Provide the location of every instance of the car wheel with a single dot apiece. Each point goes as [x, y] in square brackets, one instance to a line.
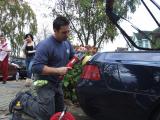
[13, 77]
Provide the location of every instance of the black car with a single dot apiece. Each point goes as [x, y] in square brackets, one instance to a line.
[22, 66]
[121, 85]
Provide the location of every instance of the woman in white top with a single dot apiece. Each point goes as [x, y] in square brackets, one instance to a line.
[29, 51]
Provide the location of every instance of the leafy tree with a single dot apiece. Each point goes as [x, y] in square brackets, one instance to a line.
[88, 19]
[16, 20]
[43, 33]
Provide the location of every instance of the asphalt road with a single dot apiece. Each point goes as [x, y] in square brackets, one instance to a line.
[9, 90]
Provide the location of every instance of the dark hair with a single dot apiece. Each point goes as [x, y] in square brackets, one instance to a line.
[29, 35]
[59, 22]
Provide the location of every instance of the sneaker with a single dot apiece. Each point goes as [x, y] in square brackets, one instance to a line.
[13, 102]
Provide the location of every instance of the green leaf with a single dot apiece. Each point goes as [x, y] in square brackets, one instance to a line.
[66, 83]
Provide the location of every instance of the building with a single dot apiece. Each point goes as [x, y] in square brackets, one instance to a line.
[141, 40]
[147, 39]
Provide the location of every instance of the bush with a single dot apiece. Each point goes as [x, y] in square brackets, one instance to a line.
[71, 78]
[70, 81]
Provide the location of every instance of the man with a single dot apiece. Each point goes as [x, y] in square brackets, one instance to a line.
[4, 49]
[51, 56]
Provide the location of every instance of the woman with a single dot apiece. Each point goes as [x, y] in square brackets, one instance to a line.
[29, 51]
[4, 54]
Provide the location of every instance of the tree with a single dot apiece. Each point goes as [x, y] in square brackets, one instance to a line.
[88, 19]
[42, 35]
[16, 20]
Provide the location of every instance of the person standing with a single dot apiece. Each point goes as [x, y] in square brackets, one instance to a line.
[52, 54]
[29, 51]
[4, 55]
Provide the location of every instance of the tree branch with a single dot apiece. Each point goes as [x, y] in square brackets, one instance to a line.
[78, 33]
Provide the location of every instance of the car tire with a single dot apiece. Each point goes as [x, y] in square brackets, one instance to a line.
[13, 77]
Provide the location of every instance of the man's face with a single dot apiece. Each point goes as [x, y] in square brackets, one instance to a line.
[2, 39]
[63, 33]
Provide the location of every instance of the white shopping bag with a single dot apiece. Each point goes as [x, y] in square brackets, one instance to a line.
[3, 55]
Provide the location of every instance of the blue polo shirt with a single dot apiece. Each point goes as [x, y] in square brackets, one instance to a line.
[52, 53]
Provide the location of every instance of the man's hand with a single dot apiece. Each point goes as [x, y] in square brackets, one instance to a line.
[55, 71]
[62, 70]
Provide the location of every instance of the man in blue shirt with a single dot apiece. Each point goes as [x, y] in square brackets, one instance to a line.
[51, 56]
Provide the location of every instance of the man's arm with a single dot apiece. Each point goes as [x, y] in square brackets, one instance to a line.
[57, 71]
[41, 60]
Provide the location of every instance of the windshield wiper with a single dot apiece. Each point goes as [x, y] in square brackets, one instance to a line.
[115, 18]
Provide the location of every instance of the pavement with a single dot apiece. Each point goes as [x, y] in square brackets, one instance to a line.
[9, 90]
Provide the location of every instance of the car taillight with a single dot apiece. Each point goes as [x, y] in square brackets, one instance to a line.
[91, 72]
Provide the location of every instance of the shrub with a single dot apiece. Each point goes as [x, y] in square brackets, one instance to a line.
[71, 78]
